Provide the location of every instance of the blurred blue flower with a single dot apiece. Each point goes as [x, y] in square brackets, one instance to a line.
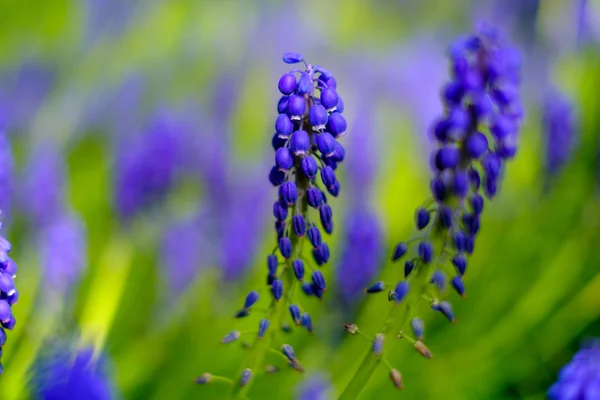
[315, 387]
[580, 378]
[6, 172]
[61, 377]
[559, 130]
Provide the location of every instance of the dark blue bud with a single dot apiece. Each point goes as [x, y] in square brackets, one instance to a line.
[296, 107]
[502, 126]
[422, 218]
[288, 193]
[299, 225]
[306, 322]
[335, 189]
[305, 85]
[204, 379]
[278, 141]
[10, 324]
[337, 124]
[507, 146]
[453, 93]
[438, 189]
[482, 106]
[321, 254]
[460, 184]
[309, 167]
[460, 241]
[418, 328]
[476, 145]
[319, 280]
[314, 197]
[438, 279]
[325, 73]
[458, 285]
[409, 265]
[2, 337]
[285, 247]
[471, 223]
[314, 235]
[505, 94]
[401, 290]
[295, 313]
[440, 130]
[328, 177]
[490, 187]
[251, 299]
[339, 153]
[445, 216]
[280, 212]
[324, 197]
[300, 142]
[276, 177]
[284, 159]
[330, 161]
[340, 105]
[284, 125]
[262, 327]
[329, 98]
[474, 178]
[287, 83]
[272, 264]
[277, 289]
[5, 312]
[318, 117]
[447, 158]
[288, 351]
[328, 81]
[244, 312]
[292, 58]
[458, 123]
[317, 291]
[378, 344]
[231, 337]
[491, 165]
[282, 105]
[298, 267]
[280, 228]
[13, 298]
[246, 376]
[307, 289]
[445, 308]
[399, 251]
[477, 203]
[376, 288]
[425, 252]
[460, 263]
[470, 244]
[326, 215]
[325, 143]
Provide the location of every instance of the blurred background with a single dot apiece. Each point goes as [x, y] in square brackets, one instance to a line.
[134, 153]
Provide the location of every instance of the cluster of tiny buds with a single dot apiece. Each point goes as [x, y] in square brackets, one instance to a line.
[8, 293]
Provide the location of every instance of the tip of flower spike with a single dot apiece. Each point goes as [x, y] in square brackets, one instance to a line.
[396, 378]
[422, 349]
[204, 379]
[292, 58]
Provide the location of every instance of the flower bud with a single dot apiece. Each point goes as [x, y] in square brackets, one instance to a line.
[376, 287]
[246, 376]
[262, 327]
[378, 344]
[231, 337]
[422, 349]
[396, 378]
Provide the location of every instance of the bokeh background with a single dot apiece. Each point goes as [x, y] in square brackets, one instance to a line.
[134, 152]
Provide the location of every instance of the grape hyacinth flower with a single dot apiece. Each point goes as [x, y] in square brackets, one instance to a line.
[8, 293]
[474, 139]
[580, 378]
[307, 155]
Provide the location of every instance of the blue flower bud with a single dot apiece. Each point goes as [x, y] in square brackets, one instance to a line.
[282, 105]
[438, 189]
[284, 159]
[314, 235]
[425, 252]
[376, 288]
[378, 344]
[280, 228]
[277, 289]
[440, 130]
[422, 349]
[251, 299]
[445, 216]
[329, 98]
[10, 325]
[460, 241]
[246, 376]
[317, 291]
[288, 193]
[299, 225]
[298, 267]
[288, 351]
[458, 285]
[306, 322]
[340, 105]
[204, 379]
[262, 327]
[231, 337]
[460, 262]
[335, 189]
[244, 312]
[409, 265]
[292, 58]
[458, 123]
[287, 83]
[325, 143]
[447, 158]
[276, 177]
[453, 93]
[438, 279]
[482, 106]
[502, 126]
[5, 312]
[392, 295]
[319, 280]
[460, 184]
[326, 75]
[471, 223]
[296, 107]
[491, 164]
[477, 203]
[300, 142]
[284, 125]
[326, 215]
[318, 117]
[307, 289]
[321, 254]
[336, 124]
[328, 177]
[280, 212]
[7, 284]
[314, 197]
[339, 153]
[399, 251]
[278, 141]
[445, 308]
[469, 244]
[490, 187]
[295, 313]
[285, 247]
[418, 327]
[305, 85]
[474, 178]
[476, 145]
[309, 168]
[422, 218]
[401, 290]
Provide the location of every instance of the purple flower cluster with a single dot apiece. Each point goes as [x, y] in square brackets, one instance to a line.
[8, 293]
[580, 378]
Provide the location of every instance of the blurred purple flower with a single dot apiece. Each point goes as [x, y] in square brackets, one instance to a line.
[60, 377]
[580, 378]
[559, 130]
[63, 252]
[6, 172]
[108, 17]
[316, 387]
